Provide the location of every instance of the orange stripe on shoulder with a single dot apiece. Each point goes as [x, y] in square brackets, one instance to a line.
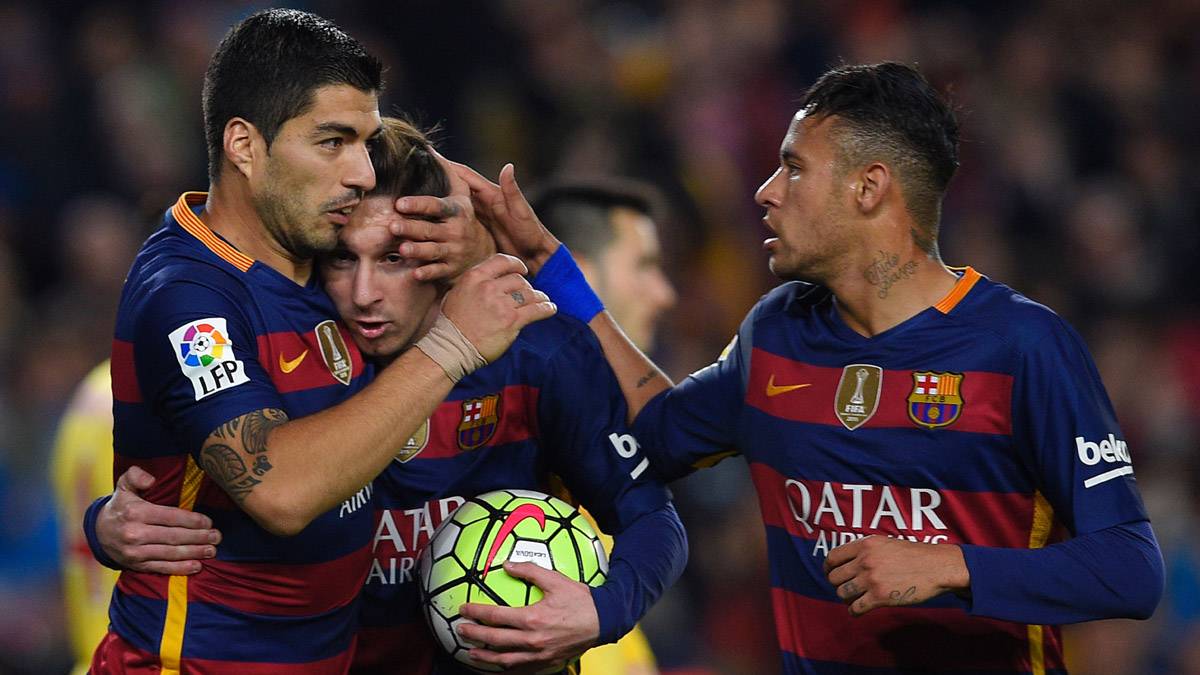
[963, 286]
[187, 220]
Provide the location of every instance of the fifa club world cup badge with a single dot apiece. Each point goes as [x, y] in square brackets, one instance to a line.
[936, 399]
[334, 351]
[857, 396]
[480, 418]
[415, 444]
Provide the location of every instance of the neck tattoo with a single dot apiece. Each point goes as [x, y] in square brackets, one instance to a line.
[886, 270]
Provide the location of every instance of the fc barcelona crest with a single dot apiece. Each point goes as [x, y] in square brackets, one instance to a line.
[936, 399]
[480, 418]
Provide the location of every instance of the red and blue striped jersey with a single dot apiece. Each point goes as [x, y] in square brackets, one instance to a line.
[981, 420]
[205, 334]
[549, 409]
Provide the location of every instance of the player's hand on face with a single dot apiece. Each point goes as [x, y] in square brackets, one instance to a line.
[442, 232]
[550, 632]
[146, 537]
[492, 302]
[883, 572]
[506, 212]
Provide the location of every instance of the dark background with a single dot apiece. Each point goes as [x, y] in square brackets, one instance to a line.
[1077, 188]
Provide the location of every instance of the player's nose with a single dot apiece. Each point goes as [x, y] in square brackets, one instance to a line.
[662, 291]
[768, 193]
[365, 292]
[359, 172]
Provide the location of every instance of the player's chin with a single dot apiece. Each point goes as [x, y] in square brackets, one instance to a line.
[317, 239]
[323, 237]
[781, 268]
[374, 349]
[788, 268]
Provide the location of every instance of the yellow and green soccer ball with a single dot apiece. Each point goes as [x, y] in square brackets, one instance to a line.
[464, 560]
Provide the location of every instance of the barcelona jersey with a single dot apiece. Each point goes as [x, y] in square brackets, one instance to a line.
[204, 335]
[981, 420]
[547, 412]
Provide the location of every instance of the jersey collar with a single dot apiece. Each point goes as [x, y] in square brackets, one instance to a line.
[191, 223]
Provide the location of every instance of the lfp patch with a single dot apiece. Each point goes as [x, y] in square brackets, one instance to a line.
[480, 418]
[206, 357]
[936, 398]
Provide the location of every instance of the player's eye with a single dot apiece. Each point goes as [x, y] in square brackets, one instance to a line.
[394, 259]
[339, 259]
[332, 143]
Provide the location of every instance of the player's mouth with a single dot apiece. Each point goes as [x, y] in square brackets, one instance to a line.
[370, 329]
[341, 216]
[770, 243]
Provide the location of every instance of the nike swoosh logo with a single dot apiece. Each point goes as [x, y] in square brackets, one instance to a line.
[288, 366]
[520, 513]
[777, 389]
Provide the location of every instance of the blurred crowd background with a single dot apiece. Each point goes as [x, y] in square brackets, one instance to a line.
[1079, 123]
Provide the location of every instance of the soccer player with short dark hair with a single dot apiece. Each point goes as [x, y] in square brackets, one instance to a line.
[609, 226]
[547, 414]
[235, 384]
[929, 447]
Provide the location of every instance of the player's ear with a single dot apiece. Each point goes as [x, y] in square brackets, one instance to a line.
[873, 183]
[242, 145]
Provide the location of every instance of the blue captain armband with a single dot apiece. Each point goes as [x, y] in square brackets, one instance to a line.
[561, 280]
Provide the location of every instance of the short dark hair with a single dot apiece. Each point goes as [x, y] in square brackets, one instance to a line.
[404, 162]
[266, 69]
[890, 111]
[577, 211]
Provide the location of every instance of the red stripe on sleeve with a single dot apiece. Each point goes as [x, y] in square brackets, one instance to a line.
[987, 397]
[125, 385]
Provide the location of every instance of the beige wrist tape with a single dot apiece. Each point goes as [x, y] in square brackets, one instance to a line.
[450, 349]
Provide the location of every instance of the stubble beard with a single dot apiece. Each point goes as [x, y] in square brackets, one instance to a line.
[289, 227]
[792, 270]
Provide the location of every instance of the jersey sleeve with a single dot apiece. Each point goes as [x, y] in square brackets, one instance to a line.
[196, 354]
[582, 413]
[1116, 572]
[694, 424]
[589, 445]
[1065, 424]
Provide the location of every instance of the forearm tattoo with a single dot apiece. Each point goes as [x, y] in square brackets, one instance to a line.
[646, 378]
[224, 464]
[257, 426]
